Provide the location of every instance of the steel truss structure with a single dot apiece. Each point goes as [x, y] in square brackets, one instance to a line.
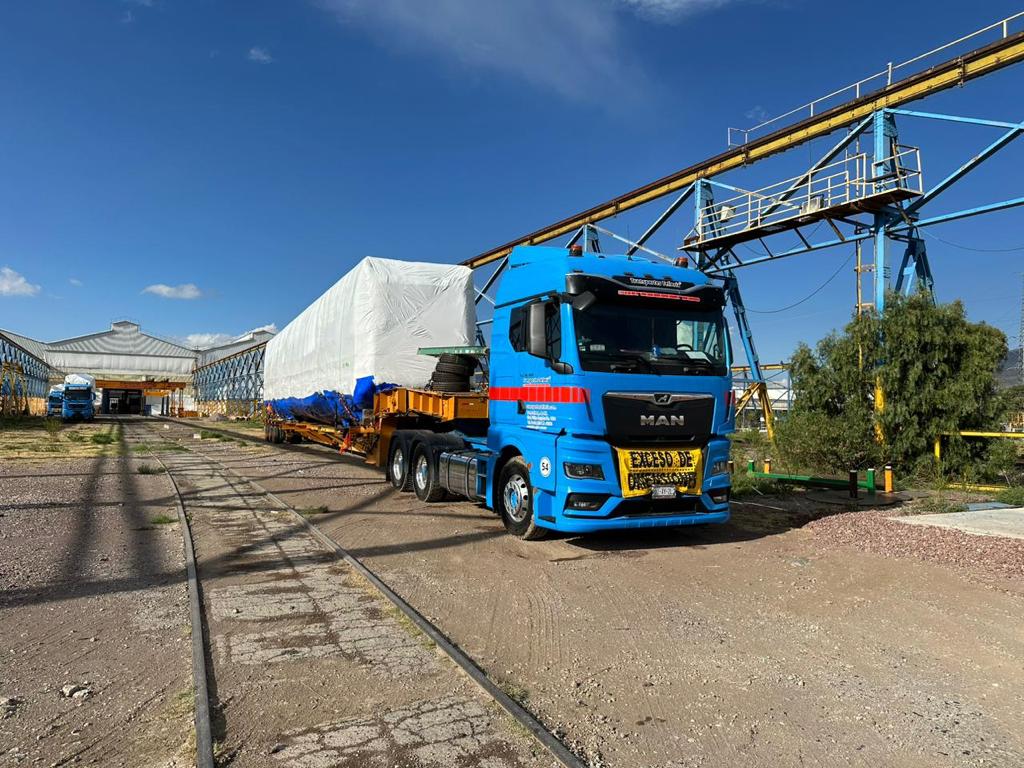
[24, 380]
[874, 197]
[233, 385]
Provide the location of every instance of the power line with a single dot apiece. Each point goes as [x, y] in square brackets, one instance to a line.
[969, 248]
[808, 297]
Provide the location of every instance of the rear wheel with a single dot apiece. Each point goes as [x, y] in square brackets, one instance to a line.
[515, 501]
[398, 465]
[425, 481]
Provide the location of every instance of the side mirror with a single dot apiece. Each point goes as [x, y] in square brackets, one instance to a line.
[536, 335]
[584, 301]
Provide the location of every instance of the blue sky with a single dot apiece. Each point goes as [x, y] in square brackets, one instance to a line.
[205, 167]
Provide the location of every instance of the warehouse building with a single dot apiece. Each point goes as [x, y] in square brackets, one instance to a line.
[135, 372]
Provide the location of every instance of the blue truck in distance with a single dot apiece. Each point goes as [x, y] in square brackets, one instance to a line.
[79, 393]
[55, 401]
[608, 406]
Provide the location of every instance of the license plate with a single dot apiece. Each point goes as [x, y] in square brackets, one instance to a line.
[663, 492]
[644, 471]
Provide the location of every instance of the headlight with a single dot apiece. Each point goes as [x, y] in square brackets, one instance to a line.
[584, 471]
[720, 467]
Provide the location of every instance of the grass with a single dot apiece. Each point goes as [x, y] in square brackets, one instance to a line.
[53, 427]
[744, 485]
[163, 520]
[1013, 495]
[207, 434]
[149, 469]
[103, 438]
[515, 692]
[309, 511]
[936, 504]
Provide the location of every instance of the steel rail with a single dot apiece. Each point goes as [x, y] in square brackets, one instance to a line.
[201, 691]
[957, 71]
[523, 716]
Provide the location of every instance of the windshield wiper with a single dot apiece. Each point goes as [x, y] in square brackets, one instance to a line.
[636, 358]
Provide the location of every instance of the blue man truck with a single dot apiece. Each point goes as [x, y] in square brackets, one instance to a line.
[55, 401]
[79, 393]
[607, 402]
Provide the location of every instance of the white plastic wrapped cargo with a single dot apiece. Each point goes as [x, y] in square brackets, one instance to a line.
[371, 323]
[79, 380]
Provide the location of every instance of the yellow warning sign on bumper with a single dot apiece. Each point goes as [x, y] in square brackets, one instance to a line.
[641, 469]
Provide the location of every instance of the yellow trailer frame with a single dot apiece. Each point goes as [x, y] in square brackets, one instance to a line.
[398, 408]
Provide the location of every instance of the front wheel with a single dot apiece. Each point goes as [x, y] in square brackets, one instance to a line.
[515, 501]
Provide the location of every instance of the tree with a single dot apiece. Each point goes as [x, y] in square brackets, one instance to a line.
[936, 369]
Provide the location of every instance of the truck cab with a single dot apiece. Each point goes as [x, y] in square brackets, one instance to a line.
[78, 400]
[55, 402]
[610, 394]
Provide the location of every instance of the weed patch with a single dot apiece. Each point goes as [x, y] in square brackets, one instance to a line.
[1014, 496]
[310, 511]
[149, 469]
[163, 520]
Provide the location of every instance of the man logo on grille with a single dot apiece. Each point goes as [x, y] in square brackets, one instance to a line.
[661, 421]
[663, 398]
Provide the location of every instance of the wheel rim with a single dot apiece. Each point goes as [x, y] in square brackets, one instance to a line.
[397, 465]
[516, 496]
[422, 473]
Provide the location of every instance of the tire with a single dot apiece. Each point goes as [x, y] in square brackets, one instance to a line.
[442, 376]
[515, 501]
[457, 369]
[398, 474]
[425, 481]
[450, 386]
[276, 435]
[294, 438]
[466, 361]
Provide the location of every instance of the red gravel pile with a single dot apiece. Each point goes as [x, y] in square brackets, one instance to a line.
[874, 532]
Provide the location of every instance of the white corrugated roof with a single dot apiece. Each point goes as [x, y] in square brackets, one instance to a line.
[33, 347]
[123, 338]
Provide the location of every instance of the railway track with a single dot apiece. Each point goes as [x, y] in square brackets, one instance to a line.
[282, 613]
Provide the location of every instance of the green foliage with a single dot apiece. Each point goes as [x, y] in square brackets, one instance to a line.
[1014, 496]
[937, 371]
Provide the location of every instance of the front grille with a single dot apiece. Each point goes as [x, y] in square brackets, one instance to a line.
[635, 418]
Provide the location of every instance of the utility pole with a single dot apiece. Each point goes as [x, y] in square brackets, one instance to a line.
[1020, 337]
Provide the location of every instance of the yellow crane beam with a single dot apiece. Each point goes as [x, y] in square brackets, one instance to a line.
[970, 66]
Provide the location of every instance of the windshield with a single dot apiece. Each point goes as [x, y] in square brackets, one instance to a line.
[639, 338]
[77, 394]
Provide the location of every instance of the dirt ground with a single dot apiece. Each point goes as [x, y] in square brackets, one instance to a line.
[94, 630]
[309, 666]
[763, 642]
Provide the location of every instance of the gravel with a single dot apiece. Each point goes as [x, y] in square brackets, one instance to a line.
[873, 531]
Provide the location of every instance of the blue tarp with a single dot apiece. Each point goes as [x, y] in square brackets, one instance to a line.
[332, 408]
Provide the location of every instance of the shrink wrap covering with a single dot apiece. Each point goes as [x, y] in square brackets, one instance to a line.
[371, 323]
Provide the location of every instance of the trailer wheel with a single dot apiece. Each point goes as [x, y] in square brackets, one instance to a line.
[515, 501]
[398, 465]
[425, 481]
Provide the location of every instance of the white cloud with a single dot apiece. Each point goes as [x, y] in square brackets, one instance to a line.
[669, 10]
[127, 17]
[576, 48]
[14, 284]
[260, 55]
[183, 291]
[75, 281]
[756, 114]
[207, 340]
